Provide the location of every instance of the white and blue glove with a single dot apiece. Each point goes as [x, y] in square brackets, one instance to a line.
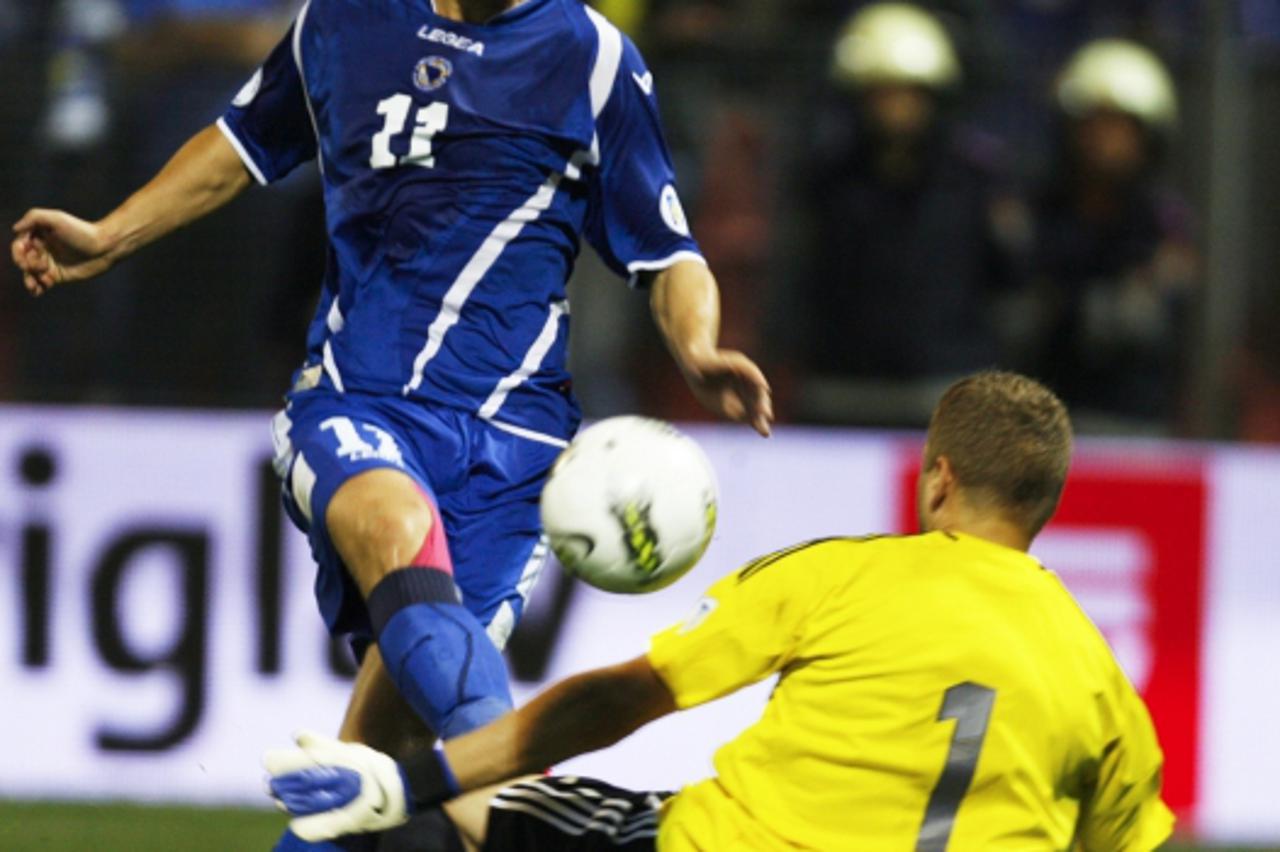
[332, 788]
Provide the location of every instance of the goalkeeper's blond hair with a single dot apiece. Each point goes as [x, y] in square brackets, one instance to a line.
[1008, 439]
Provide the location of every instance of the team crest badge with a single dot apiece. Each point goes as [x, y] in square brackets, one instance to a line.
[672, 211]
[432, 73]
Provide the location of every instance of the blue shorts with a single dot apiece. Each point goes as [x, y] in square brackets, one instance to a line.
[485, 482]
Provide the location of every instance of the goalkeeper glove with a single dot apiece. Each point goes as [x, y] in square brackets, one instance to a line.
[332, 788]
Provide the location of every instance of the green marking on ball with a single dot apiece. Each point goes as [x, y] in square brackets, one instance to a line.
[640, 537]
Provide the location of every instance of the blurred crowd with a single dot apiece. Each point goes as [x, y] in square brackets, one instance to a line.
[931, 258]
[891, 195]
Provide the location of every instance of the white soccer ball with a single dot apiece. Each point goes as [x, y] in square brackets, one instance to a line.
[630, 505]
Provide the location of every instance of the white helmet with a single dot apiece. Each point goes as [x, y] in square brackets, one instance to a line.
[895, 43]
[1120, 75]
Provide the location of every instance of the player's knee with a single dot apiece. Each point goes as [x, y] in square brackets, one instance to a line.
[398, 532]
[393, 535]
[376, 537]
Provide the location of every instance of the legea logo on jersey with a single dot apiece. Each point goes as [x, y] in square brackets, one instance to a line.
[432, 72]
[448, 39]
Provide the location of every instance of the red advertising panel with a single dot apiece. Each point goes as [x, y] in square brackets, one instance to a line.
[1129, 541]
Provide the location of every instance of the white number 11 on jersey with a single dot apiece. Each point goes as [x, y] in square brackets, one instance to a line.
[428, 121]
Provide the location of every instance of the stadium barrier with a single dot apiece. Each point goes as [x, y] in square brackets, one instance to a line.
[159, 630]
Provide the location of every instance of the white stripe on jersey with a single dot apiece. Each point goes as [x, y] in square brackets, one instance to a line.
[665, 262]
[604, 74]
[282, 451]
[532, 360]
[579, 811]
[484, 258]
[504, 620]
[529, 434]
[587, 799]
[331, 367]
[302, 78]
[575, 829]
[532, 568]
[302, 481]
[639, 266]
[499, 629]
[245, 156]
[335, 321]
[608, 58]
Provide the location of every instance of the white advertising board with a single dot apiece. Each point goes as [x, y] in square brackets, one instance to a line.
[138, 657]
[1240, 687]
[157, 630]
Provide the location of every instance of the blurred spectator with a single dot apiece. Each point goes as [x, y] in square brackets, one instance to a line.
[1257, 374]
[22, 50]
[1114, 257]
[913, 231]
[714, 91]
[78, 113]
[627, 15]
[205, 320]
[190, 322]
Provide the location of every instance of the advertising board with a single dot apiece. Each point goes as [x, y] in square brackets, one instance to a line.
[157, 631]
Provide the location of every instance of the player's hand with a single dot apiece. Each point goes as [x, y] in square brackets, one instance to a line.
[731, 385]
[51, 248]
[332, 788]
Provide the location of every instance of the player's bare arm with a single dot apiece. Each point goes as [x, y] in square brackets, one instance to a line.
[686, 306]
[52, 247]
[583, 713]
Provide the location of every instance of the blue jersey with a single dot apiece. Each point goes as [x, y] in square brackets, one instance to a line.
[461, 165]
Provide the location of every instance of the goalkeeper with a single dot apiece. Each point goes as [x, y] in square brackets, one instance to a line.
[936, 691]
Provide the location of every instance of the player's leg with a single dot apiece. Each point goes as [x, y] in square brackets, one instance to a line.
[470, 813]
[558, 814]
[324, 442]
[379, 717]
[490, 509]
[391, 538]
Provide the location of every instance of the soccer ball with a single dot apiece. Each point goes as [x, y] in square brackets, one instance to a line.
[630, 505]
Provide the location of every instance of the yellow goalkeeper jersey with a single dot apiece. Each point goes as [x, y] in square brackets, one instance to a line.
[935, 692]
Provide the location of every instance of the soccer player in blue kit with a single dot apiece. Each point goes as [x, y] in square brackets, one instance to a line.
[465, 146]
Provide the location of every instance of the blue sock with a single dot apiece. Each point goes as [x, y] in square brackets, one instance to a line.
[290, 842]
[437, 654]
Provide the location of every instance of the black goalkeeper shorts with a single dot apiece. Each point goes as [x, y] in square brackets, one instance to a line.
[572, 814]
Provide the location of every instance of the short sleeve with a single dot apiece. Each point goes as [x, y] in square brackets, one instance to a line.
[269, 121]
[637, 223]
[747, 626]
[1125, 810]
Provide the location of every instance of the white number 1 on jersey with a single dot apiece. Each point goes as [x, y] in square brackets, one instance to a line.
[429, 121]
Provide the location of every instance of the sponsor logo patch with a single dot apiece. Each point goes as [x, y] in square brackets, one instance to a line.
[436, 35]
